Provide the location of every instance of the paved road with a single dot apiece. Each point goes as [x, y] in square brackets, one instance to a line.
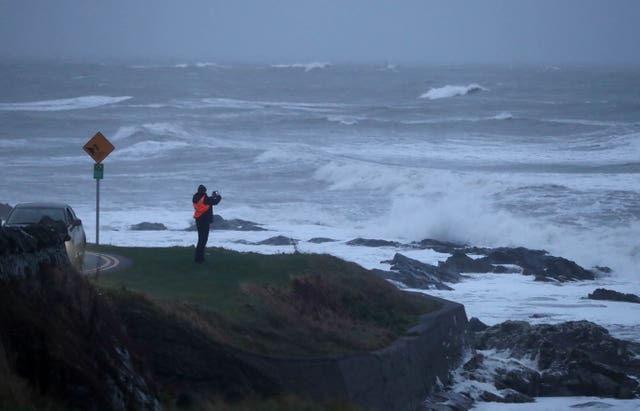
[102, 262]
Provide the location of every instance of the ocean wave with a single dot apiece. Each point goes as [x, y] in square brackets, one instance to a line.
[150, 132]
[505, 115]
[77, 103]
[452, 91]
[203, 64]
[238, 104]
[346, 120]
[305, 66]
[145, 150]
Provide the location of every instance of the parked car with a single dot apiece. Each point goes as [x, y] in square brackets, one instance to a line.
[75, 239]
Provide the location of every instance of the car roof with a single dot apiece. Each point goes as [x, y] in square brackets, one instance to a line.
[42, 205]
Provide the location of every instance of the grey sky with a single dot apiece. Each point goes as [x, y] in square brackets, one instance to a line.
[443, 31]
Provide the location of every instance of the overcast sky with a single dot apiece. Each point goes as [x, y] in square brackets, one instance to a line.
[288, 31]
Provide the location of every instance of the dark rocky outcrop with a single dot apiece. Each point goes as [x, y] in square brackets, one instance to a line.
[320, 240]
[146, 226]
[415, 274]
[234, 224]
[611, 295]
[459, 262]
[60, 334]
[219, 223]
[501, 260]
[520, 361]
[573, 359]
[539, 264]
[278, 240]
[439, 246]
[366, 242]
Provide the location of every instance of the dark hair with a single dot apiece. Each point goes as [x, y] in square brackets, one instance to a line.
[202, 189]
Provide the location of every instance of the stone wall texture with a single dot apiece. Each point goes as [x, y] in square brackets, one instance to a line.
[394, 378]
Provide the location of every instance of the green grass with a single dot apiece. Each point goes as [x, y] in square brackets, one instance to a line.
[275, 304]
[170, 273]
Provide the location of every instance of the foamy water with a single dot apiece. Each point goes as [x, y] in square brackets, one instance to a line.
[485, 156]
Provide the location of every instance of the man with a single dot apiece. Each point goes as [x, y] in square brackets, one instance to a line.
[204, 217]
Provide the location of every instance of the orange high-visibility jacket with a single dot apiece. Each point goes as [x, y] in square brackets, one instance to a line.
[200, 207]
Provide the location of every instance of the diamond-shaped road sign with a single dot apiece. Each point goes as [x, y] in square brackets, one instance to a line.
[98, 147]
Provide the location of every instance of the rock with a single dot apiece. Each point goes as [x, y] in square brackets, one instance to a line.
[448, 401]
[488, 396]
[145, 226]
[611, 295]
[520, 379]
[592, 405]
[604, 270]
[220, 223]
[365, 242]
[476, 325]
[278, 240]
[235, 224]
[416, 274]
[539, 264]
[574, 358]
[320, 240]
[515, 397]
[474, 363]
[459, 262]
[501, 269]
[439, 246]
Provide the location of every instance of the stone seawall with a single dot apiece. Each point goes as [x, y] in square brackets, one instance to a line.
[394, 378]
[23, 251]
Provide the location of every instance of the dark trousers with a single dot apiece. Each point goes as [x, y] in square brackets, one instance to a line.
[203, 237]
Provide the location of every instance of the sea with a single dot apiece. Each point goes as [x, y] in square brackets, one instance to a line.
[544, 157]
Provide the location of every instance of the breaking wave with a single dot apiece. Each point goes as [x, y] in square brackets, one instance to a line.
[77, 103]
[305, 66]
[505, 115]
[452, 91]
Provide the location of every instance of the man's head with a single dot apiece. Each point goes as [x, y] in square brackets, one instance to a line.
[202, 189]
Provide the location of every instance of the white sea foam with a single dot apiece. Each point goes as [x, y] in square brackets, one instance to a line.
[452, 91]
[346, 120]
[167, 130]
[563, 404]
[77, 103]
[505, 115]
[306, 66]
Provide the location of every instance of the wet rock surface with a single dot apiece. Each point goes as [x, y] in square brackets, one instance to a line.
[146, 226]
[521, 361]
[219, 223]
[465, 259]
[611, 295]
[416, 274]
[367, 242]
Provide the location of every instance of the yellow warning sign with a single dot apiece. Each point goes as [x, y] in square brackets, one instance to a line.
[98, 147]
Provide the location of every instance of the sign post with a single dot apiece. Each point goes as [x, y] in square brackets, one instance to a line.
[98, 147]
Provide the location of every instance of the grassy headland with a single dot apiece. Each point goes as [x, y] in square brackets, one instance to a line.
[285, 304]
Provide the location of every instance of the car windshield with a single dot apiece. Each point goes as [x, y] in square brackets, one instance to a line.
[24, 215]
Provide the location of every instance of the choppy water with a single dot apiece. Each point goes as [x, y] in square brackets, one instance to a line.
[542, 157]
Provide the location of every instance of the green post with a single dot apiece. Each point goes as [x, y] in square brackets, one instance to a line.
[98, 174]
